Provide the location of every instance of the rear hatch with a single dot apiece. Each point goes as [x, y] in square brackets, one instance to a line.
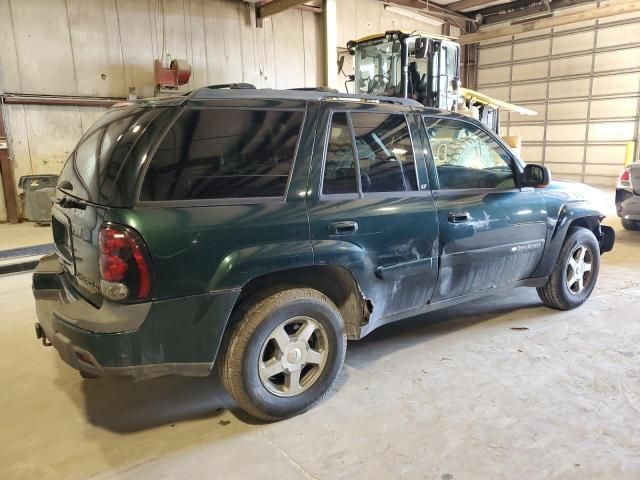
[634, 171]
[86, 187]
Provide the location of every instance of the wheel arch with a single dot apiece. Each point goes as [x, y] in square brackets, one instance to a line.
[335, 282]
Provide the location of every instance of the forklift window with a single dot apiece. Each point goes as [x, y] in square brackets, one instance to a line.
[339, 167]
[467, 157]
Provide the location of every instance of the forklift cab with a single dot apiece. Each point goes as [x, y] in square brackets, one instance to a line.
[423, 67]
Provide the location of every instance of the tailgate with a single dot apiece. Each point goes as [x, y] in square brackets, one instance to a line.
[75, 234]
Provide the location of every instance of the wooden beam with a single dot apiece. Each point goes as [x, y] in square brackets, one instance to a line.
[277, 6]
[464, 4]
[606, 11]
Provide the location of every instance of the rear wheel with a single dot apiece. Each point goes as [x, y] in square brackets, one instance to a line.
[285, 353]
[576, 271]
[630, 224]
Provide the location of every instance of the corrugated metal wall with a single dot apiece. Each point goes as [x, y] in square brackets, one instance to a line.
[584, 82]
[103, 47]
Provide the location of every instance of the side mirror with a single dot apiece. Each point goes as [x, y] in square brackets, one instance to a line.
[537, 176]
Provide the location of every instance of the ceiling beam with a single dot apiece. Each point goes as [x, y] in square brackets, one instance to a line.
[521, 10]
[464, 4]
[429, 8]
[607, 10]
[276, 6]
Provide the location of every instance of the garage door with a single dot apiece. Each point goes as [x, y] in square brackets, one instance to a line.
[584, 82]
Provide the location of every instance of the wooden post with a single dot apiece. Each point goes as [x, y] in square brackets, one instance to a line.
[8, 181]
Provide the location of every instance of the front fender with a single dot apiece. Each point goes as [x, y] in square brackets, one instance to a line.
[568, 203]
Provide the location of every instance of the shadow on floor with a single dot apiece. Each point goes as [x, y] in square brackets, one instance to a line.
[122, 405]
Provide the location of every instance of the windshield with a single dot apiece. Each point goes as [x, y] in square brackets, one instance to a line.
[378, 68]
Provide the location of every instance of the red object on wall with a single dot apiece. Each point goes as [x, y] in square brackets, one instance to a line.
[177, 74]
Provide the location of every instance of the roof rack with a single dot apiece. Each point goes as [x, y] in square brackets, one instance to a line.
[232, 86]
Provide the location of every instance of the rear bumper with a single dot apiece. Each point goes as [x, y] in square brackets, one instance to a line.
[176, 336]
[627, 204]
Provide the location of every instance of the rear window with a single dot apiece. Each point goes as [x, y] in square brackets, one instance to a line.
[92, 168]
[224, 153]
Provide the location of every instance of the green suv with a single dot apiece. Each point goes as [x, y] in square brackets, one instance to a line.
[262, 229]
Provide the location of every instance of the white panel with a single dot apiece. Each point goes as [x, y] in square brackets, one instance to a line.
[601, 180]
[566, 154]
[530, 71]
[567, 111]
[346, 21]
[531, 154]
[621, 17]
[531, 91]
[569, 88]
[89, 115]
[42, 39]
[287, 31]
[573, 42]
[563, 168]
[536, 107]
[53, 134]
[313, 56]
[566, 133]
[9, 73]
[618, 107]
[571, 66]
[617, 59]
[565, 176]
[529, 133]
[608, 170]
[533, 34]
[137, 45]
[497, 92]
[574, 26]
[493, 75]
[611, 131]
[616, 84]
[198, 49]
[18, 140]
[620, 35]
[537, 48]
[613, 154]
[250, 69]
[96, 48]
[494, 55]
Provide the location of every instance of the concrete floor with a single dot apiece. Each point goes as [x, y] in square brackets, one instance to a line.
[23, 234]
[501, 389]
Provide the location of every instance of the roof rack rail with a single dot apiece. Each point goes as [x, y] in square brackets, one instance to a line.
[232, 86]
[315, 89]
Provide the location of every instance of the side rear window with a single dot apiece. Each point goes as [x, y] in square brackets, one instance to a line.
[224, 153]
[385, 159]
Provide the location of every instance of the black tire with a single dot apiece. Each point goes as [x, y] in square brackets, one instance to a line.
[248, 339]
[630, 224]
[556, 293]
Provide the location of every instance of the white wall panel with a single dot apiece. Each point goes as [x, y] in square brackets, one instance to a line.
[573, 43]
[494, 55]
[571, 65]
[530, 91]
[569, 88]
[618, 59]
[531, 154]
[617, 107]
[616, 84]
[493, 75]
[620, 35]
[611, 131]
[536, 48]
[536, 107]
[567, 111]
[563, 168]
[566, 133]
[565, 153]
[530, 133]
[611, 154]
[530, 71]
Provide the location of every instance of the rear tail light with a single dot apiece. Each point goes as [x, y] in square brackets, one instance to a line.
[125, 269]
[624, 180]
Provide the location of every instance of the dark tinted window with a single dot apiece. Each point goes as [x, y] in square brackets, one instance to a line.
[385, 153]
[224, 153]
[468, 157]
[340, 167]
[92, 168]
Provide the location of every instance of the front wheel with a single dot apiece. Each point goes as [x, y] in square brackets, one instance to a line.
[630, 224]
[284, 355]
[576, 271]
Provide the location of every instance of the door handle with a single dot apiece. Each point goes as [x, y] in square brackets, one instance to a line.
[347, 227]
[458, 217]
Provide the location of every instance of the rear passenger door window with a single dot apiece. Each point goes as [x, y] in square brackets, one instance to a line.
[223, 153]
[369, 153]
[466, 157]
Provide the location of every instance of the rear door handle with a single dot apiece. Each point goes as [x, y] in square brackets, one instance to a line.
[458, 217]
[347, 227]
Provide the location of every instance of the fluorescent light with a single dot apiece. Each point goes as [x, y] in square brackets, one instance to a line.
[419, 17]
